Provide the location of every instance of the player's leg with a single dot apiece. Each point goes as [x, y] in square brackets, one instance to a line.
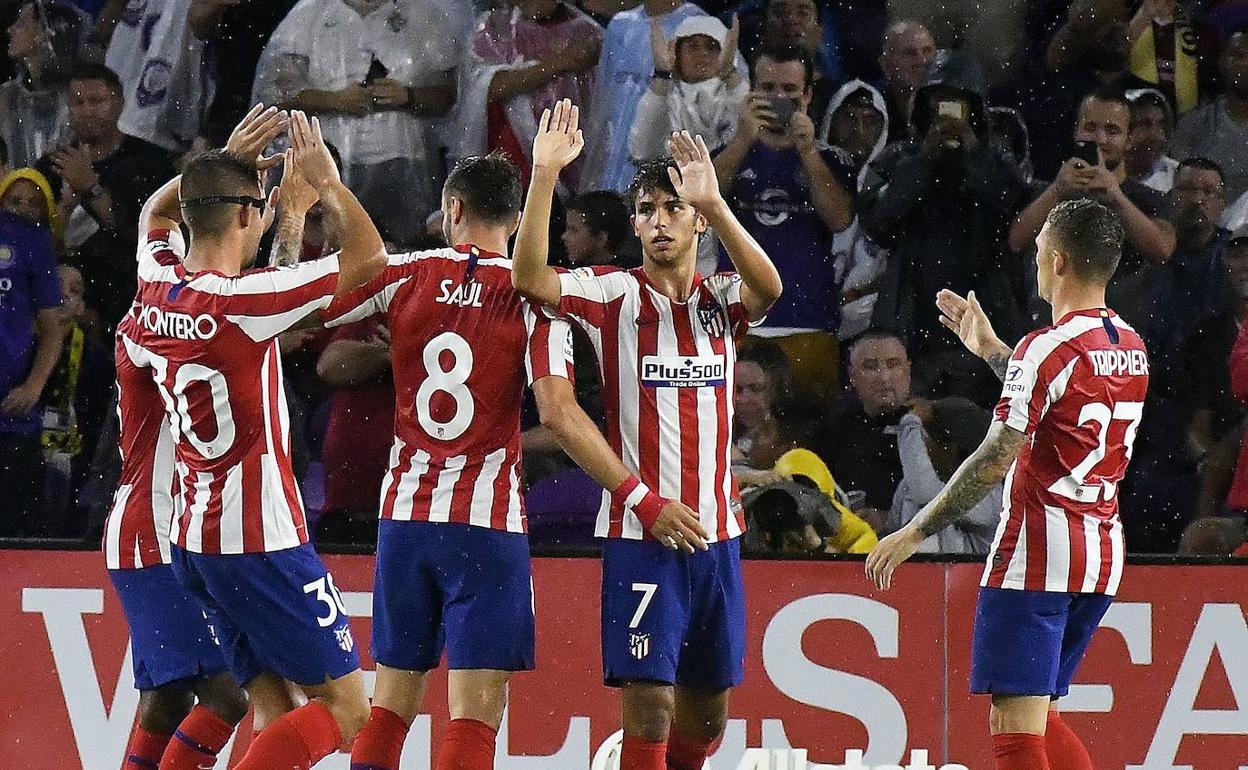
[488, 617]
[1063, 746]
[714, 657]
[271, 698]
[1021, 685]
[161, 710]
[645, 615]
[207, 727]
[407, 640]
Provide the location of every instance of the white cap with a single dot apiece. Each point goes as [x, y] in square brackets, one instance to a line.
[703, 25]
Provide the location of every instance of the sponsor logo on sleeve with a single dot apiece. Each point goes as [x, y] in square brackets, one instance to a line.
[1017, 378]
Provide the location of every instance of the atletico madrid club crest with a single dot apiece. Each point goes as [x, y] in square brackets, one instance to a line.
[711, 316]
[639, 645]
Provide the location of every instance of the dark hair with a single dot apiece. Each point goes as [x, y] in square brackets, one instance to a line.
[1108, 94]
[1203, 164]
[771, 358]
[1147, 97]
[605, 212]
[650, 176]
[878, 333]
[65, 28]
[216, 172]
[93, 71]
[782, 54]
[489, 186]
[1090, 234]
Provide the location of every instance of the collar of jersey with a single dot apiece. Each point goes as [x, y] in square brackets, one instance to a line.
[640, 272]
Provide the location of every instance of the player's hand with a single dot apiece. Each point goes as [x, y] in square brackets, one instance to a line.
[694, 175]
[890, 553]
[298, 195]
[311, 156]
[559, 140]
[966, 318]
[678, 528]
[21, 400]
[260, 126]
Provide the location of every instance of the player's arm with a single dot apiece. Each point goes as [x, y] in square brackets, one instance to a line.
[161, 211]
[298, 196]
[984, 469]
[670, 521]
[966, 318]
[694, 180]
[558, 143]
[363, 254]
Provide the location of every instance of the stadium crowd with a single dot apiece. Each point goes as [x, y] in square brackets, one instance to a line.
[878, 151]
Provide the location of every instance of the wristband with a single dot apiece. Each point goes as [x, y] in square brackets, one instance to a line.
[662, 75]
[637, 497]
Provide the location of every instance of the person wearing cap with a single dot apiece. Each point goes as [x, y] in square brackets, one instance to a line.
[1152, 123]
[932, 440]
[694, 88]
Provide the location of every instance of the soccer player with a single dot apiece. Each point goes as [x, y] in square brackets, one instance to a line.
[1072, 401]
[452, 554]
[206, 329]
[176, 660]
[673, 614]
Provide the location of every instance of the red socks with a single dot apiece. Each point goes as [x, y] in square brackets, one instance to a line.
[466, 745]
[1020, 751]
[197, 741]
[685, 753]
[638, 754]
[1065, 749]
[380, 743]
[297, 741]
[144, 750]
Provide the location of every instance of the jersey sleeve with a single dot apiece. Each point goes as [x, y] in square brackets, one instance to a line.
[1023, 394]
[727, 289]
[265, 303]
[374, 296]
[160, 249]
[584, 293]
[548, 346]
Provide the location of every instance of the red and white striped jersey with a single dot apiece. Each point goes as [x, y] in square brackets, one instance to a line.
[136, 532]
[667, 374]
[209, 341]
[1076, 389]
[464, 344]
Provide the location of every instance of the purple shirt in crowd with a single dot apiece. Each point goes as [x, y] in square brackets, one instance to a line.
[28, 284]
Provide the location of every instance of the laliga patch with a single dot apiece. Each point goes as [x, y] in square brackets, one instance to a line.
[682, 371]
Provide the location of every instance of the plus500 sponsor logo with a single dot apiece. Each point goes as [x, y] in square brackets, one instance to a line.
[682, 371]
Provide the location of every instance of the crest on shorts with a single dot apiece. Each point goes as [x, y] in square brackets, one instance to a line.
[711, 316]
[639, 645]
[345, 641]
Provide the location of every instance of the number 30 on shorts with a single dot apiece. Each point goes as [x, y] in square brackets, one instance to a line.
[327, 593]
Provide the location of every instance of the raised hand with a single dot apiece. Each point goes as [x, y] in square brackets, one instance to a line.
[678, 528]
[694, 175]
[311, 156]
[298, 195]
[559, 141]
[254, 132]
[967, 319]
[728, 59]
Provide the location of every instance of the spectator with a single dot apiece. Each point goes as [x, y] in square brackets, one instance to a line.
[42, 44]
[30, 343]
[164, 77]
[77, 399]
[941, 202]
[1213, 537]
[1104, 118]
[598, 230]
[855, 125]
[1161, 39]
[1152, 123]
[763, 380]
[859, 442]
[695, 88]
[932, 440]
[1008, 131]
[26, 193]
[374, 72]
[234, 34]
[792, 193]
[1218, 130]
[522, 60]
[356, 365]
[101, 179]
[624, 72]
[908, 49]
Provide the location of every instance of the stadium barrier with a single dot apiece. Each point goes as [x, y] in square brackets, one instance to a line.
[858, 678]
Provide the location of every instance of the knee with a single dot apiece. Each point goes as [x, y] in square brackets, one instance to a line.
[648, 711]
[351, 716]
[163, 709]
[223, 697]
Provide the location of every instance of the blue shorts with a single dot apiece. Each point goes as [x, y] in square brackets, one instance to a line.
[276, 611]
[170, 639]
[1031, 642]
[463, 588]
[672, 617]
